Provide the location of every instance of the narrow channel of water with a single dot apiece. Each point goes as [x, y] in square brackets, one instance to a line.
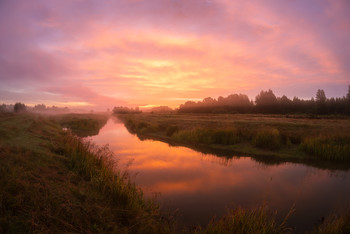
[202, 186]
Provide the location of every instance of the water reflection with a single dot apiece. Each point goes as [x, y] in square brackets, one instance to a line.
[202, 185]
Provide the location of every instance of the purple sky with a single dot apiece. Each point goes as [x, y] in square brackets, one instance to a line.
[97, 54]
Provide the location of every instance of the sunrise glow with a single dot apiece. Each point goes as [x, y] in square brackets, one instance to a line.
[101, 54]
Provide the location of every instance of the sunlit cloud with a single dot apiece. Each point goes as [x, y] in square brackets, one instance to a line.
[162, 52]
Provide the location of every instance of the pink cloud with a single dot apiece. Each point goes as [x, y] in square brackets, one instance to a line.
[155, 51]
[78, 93]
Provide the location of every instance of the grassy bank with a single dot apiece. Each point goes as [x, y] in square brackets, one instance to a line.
[283, 137]
[54, 182]
[82, 125]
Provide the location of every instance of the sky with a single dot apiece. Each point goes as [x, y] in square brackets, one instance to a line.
[97, 54]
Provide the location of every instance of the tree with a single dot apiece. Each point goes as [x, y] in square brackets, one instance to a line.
[40, 107]
[265, 98]
[208, 101]
[284, 104]
[3, 108]
[347, 101]
[19, 107]
[321, 96]
[266, 102]
[321, 101]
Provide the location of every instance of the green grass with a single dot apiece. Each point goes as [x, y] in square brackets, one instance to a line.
[82, 124]
[284, 137]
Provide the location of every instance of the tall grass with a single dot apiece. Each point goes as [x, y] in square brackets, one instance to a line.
[82, 125]
[140, 127]
[55, 182]
[335, 148]
[256, 220]
[207, 136]
[267, 138]
[96, 165]
[335, 224]
[170, 130]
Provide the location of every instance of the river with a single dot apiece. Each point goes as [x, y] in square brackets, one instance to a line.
[199, 186]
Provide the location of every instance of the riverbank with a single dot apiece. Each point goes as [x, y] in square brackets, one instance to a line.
[267, 138]
[53, 181]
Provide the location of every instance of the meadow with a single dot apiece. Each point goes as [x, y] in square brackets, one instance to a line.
[53, 181]
[296, 138]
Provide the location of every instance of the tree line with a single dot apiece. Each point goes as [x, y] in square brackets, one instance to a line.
[126, 110]
[19, 107]
[266, 102]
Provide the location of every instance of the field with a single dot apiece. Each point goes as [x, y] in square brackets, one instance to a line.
[267, 138]
[53, 181]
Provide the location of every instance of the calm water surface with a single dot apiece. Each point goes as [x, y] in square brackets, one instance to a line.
[201, 186]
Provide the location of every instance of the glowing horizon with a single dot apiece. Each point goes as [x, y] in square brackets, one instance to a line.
[100, 54]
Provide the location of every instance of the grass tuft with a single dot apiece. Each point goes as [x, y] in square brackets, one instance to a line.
[239, 220]
[335, 224]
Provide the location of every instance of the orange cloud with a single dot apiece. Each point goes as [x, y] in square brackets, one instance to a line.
[159, 52]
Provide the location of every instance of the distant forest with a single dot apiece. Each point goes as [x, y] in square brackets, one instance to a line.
[40, 108]
[266, 102]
